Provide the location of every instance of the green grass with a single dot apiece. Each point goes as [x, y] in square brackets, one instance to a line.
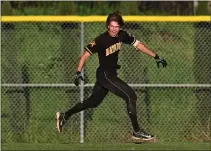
[123, 146]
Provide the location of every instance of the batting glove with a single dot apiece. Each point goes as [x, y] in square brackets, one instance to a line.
[78, 78]
[160, 60]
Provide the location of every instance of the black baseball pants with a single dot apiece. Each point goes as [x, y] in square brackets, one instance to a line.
[107, 80]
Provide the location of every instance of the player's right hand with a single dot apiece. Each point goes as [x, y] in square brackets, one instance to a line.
[78, 77]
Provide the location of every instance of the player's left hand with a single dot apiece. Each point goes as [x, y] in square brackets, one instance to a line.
[160, 60]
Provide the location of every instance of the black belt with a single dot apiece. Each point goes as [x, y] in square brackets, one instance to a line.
[110, 67]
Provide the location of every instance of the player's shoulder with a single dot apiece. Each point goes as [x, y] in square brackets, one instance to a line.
[123, 32]
[104, 34]
[101, 37]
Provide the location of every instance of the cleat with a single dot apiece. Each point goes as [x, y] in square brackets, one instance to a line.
[60, 121]
[142, 136]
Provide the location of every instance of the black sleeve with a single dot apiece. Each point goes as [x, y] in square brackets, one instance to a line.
[128, 38]
[92, 47]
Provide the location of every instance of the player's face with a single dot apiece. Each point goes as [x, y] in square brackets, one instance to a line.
[113, 28]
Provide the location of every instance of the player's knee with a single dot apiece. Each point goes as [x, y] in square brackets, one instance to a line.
[80, 106]
[133, 97]
[92, 102]
[94, 105]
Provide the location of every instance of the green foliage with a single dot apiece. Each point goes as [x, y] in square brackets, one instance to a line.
[40, 11]
[67, 8]
[6, 8]
[133, 9]
[204, 8]
[102, 8]
[85, 8]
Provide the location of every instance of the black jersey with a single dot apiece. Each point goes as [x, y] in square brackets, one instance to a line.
[108, 47]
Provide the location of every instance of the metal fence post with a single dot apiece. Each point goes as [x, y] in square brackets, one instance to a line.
[82, 88]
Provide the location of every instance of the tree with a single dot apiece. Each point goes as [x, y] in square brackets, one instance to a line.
[166, 7]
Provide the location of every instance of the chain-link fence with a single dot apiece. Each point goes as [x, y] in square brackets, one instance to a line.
[39, 61]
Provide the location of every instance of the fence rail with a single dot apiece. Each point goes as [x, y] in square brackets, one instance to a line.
[91, 85]
[103, 18]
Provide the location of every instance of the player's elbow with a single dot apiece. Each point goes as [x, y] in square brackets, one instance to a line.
[85, 56]
[140, 46]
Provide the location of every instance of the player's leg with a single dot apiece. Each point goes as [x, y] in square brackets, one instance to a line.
[93, 101]
[123, 90]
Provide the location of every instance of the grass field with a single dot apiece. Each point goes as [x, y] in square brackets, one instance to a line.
[125, 146]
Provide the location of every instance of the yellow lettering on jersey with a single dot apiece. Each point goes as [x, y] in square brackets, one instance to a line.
[107, 52]
[110, 50]
[113, 48]
[118, 45]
